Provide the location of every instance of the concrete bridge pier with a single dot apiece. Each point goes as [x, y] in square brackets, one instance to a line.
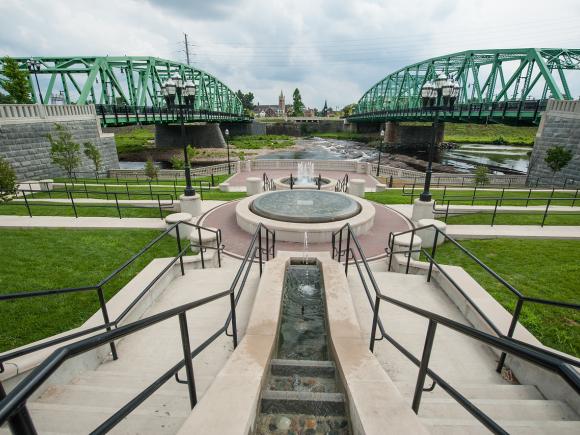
[199, 135]
[412, 136]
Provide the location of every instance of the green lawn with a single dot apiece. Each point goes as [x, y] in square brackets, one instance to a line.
[262, 141]
[135, 140]
[547, 269]
[180, 182]
[514, 219]
[40, 259]
[19, 209]
[395, 196]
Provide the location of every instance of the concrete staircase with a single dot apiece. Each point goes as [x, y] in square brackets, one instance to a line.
[466, 364]
[94, 395]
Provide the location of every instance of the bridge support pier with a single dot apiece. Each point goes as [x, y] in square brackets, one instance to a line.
[199, 135]
[412, 136]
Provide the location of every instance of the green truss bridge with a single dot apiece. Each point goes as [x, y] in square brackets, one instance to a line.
[127, 89]
[509, 86]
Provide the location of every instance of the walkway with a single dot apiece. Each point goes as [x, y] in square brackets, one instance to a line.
[462, 232]
[239, 179]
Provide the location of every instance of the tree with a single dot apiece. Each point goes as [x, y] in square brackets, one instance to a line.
[481, 175]
[348, 110]
[150, 169]
[177, 162]
[7, 181]
[15, 82]
[297, 105]
[63, 150]
[94, 155]
[246, 99]
[557, 158]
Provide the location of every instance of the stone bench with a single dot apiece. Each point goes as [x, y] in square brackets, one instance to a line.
[356, 187]
[202, 237]
[253, 186]
[403, 242]
[428, 235]
[224, 187]
[184, 230]
[380, 187]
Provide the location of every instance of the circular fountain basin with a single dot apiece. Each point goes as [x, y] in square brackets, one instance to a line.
[284, 184]
[291, 213]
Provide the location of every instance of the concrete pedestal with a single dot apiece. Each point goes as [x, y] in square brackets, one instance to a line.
[46, 185]
[363, 167]
[190, 204]
[245, 166]
[184, 230]
[253, 186]
[224, 187]
[380, 187]
[357, 187]
[403, 242]
[422, 210]
[428, 235]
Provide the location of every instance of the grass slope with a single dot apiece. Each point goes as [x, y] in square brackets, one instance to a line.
[545, 269]
[39, 259]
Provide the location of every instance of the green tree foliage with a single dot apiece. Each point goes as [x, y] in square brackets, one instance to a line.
[298, 105]
[150, 169]
[15, 83]
[63, 150]
[7, 181]
[192, 152]
[348, 110]
[482, 175]
[177, 162]
[94, 155]
[246, 99]
[557, 158]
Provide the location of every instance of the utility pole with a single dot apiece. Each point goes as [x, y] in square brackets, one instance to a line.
[186, 48]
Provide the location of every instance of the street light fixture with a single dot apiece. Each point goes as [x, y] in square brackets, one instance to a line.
[33, 66]
[437, 95]
[227, 133]
[185, 91]
[382, 135]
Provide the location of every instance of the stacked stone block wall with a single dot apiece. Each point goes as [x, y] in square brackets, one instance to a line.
[24, 144]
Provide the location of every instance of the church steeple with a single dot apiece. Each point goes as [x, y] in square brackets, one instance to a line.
[281, 104]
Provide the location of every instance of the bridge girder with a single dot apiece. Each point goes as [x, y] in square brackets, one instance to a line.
[484, 76]
[127, 81]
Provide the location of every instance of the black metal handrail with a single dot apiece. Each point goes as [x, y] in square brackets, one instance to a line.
[342, 184]
[107, 323]
[13, 405]
[537, 356]
[268, 183]
[521, 298]
[164, 201]
[498, 202]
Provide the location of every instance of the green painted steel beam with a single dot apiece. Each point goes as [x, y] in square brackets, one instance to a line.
[129, 80]
[528, 73]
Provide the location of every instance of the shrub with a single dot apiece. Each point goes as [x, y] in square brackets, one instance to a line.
[94, 155]
[482, 175]
[63, 150]
[150, 169]
[177, 162]
[7, 181]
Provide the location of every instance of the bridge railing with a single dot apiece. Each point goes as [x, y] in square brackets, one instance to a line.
[12, 112]
[564, 105]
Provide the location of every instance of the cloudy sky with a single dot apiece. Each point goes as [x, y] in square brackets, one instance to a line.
[330, 49]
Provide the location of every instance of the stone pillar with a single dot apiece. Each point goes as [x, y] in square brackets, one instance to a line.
[224, 187]
[391, 133]
[362, 167]
[190, 204]
[422, 210]
[253, 186]
[428, 235]
[380, 187]
[198, 135]
[356, 187]
[403, 242]
[184, 230]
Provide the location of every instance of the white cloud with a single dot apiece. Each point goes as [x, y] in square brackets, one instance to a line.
[330, 49]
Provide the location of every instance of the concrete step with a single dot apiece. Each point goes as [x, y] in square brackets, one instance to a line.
[297, 402]
[289, 367]
[477, 391]
[515, 427]
[508, 409]
[75, 419]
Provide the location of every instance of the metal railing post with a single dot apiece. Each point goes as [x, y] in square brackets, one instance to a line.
[429, 339]
[260, 249]
[233, 314]
[391, 242]
[103, 305]
[375, 320]
[117, 203]
[20, 422]
[410, 252]
[347, 252]
[218, 241]
[179, 249]
[433, 251]
[73, 204]
[340, 245]
[27, 204]
[200, 247]
[494, 212]
[546, 212]
[187, 359]
[333, 244]
[511, 331]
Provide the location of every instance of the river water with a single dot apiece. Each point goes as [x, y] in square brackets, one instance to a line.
[464, 158]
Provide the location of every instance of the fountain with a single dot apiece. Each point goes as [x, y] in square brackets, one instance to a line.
[305, 173]
[305, 179]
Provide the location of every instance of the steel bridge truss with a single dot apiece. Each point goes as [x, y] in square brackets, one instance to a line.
[128, 83]
[498, 81]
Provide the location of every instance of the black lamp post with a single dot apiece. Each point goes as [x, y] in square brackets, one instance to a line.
[185, 92]
[227, 133]
[382, 135]
[438, 95]
[33, 67]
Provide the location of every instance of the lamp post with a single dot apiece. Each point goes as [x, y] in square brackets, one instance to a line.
[227, 133]
[437, 95]
[185, 91]
[382, 136]
[33, 66]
